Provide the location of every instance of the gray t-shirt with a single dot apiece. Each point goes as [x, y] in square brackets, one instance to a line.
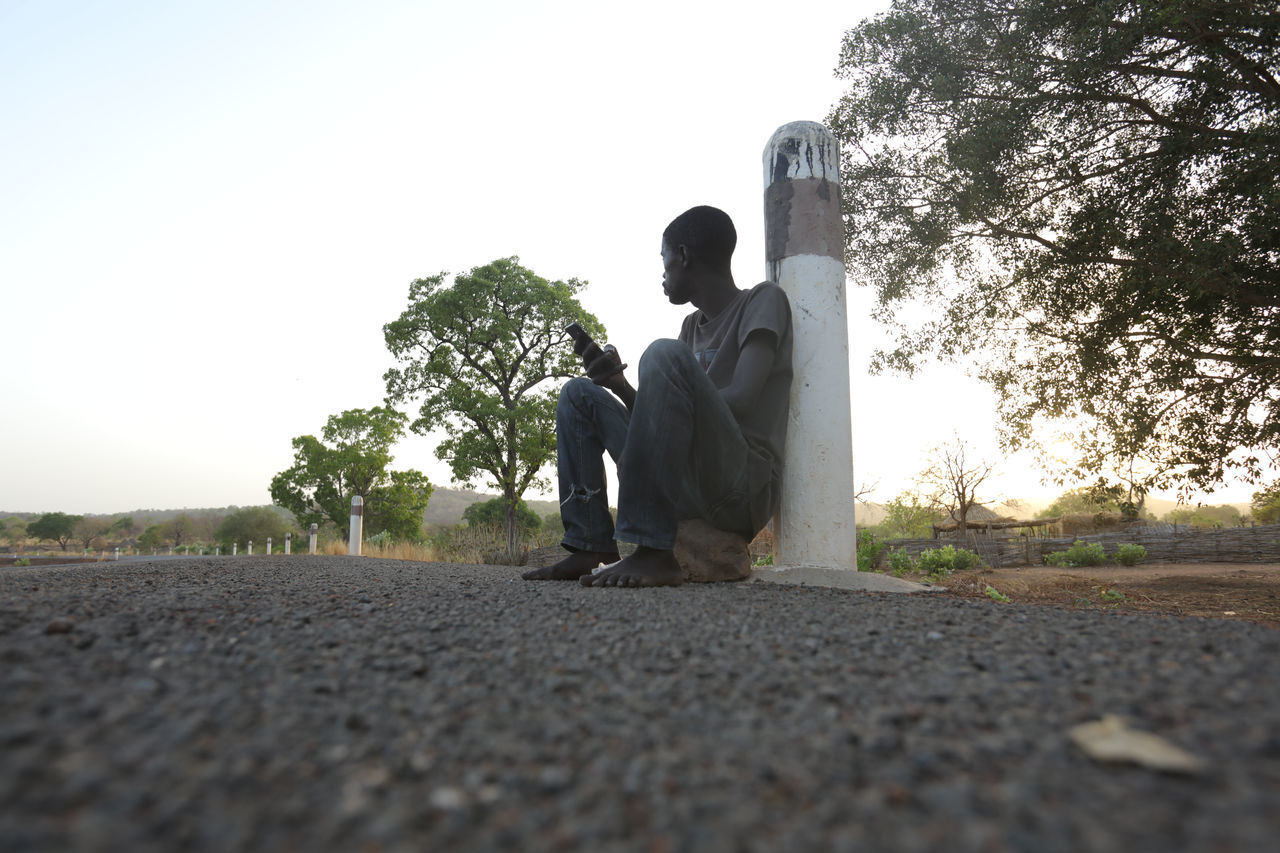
[717, 344]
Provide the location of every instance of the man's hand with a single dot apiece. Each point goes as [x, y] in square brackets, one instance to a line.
[602, 364]
[604, 367]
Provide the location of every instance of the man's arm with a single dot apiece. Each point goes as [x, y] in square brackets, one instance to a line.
[604, 371]
[754, 363]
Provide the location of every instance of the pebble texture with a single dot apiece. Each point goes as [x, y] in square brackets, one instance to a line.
[338, 703]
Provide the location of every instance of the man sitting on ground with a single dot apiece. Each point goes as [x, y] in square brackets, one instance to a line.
[701, 437]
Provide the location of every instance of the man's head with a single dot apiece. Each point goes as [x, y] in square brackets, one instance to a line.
[697, 242]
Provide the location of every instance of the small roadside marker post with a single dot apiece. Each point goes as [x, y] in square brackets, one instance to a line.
[357, 525]
[315, 530]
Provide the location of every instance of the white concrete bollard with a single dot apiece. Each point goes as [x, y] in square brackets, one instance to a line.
[117, 553]
[268, 551]
[170, 550]
[250, 551]
[288, 538]
[804, 254]
[235, 548]
[357, 526]
[315, 530]
[217, 550]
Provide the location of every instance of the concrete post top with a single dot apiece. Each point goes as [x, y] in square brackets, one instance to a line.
[799, 150]
[314, 527]
[357, 501]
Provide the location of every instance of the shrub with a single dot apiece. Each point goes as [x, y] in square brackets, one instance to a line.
[996, 595]
[22, 561]
[1079, 554]
[900, 562]
[947, 559]
[380, 539]
[1130, 555]
[869, 551]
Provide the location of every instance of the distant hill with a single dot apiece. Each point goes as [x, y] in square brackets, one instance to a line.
[447, 505]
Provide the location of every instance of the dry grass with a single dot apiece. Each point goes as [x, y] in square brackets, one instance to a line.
[481, 544]
[417, 552]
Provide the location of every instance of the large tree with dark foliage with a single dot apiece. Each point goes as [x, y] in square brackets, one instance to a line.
[1086, 197]
[55, 526]
[481, 355]
[353, 457]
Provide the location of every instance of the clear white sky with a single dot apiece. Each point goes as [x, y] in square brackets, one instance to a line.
[208, 210]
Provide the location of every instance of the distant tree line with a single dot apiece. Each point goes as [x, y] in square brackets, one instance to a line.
[208, 529]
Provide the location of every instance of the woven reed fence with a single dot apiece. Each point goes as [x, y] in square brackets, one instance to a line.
[1165, 543]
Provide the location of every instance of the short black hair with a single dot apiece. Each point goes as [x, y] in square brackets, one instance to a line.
[708, 233]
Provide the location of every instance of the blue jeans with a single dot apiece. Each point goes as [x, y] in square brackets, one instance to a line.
[680, 454]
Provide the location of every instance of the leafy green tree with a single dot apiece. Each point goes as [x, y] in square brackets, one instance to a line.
[480, 354]
[15, 531]
[398, 505]
[1083, 500]
[494, 512]
[55, 527]
[1223, 515]
[152, 537]
[178, 529]
[352, 458]
[1086, 192]
[907, 518]
[252, 524]
[553, 523]
[124, 525]
[1266, 504]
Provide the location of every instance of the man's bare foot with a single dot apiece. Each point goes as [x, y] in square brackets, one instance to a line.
[572, 567]
[646, 567]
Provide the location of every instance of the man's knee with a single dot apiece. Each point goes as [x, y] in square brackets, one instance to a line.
[578, 390]
[665, 356]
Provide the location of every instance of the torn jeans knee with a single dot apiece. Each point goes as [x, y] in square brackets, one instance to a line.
[580, 493]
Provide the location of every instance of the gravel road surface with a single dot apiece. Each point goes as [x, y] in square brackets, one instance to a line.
[338, 703]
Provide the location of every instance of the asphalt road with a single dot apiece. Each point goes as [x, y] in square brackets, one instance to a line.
[338, 703]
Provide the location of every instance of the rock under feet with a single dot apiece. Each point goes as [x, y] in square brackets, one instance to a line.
[706, 554]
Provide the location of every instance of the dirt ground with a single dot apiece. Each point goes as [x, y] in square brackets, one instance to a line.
[1245, 591]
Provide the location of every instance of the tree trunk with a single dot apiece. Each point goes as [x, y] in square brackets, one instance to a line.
[511, 499]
